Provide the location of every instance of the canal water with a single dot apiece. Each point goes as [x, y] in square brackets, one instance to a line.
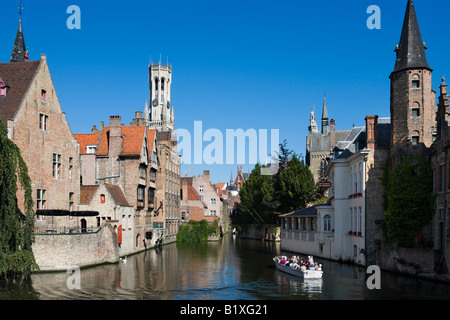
[233, 269]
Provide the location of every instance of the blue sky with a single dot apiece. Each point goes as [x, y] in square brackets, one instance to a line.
[236, 64]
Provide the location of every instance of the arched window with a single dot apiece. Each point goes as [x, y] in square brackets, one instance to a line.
[327, 223]
[416, 109]
[156, 84]
[102, 198]
[415, 137]
[162, 84]
[415, 81]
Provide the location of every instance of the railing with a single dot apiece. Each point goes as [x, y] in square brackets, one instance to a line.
[64, 230]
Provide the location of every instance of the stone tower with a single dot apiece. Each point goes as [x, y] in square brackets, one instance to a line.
[412, 98]
[161, 113]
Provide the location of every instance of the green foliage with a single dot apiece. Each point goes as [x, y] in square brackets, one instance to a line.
[197, 231]
[16, 227]
[408, 200]
[297, 186]
[264, 197]
[255, 194]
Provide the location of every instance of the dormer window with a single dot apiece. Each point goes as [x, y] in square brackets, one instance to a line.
[43, 95]
[2, 89]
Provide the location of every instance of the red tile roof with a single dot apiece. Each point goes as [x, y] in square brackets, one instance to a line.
[86, 194]
[193, 195]
[116, 192]
[118, 195]
[133, 138]
[85, 140]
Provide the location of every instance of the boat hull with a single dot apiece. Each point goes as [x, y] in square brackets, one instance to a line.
[307, 274]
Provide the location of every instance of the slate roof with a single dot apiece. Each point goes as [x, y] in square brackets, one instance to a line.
[411, 48]
[358, 136]
[19, 50]
[307, 212]
[17, 77]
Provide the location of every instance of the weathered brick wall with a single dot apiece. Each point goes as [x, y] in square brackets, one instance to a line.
[58, 252]
[37, 145]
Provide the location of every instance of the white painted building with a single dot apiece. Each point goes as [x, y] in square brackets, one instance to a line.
[335, 230]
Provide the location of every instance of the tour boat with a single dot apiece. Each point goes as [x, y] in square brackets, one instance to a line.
[307, 274]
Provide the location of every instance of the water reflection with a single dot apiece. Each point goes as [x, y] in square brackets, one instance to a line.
[232, 269]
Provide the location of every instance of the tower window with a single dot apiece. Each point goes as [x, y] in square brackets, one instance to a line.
[415, 82]
[43, 95]
[415, 138]
[416, 109]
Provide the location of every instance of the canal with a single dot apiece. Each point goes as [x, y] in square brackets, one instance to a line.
[233, 269]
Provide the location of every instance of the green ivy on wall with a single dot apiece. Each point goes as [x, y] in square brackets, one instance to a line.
[16, 227]
[408, 200]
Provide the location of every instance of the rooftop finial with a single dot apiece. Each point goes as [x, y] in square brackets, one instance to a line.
[20, 9]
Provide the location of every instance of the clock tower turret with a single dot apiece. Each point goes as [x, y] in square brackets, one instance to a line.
[160, 79]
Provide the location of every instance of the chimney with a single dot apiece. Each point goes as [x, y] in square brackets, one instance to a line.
[332, 134]
[184, 189]
[115, 136]
[371, 132]
[94, 129]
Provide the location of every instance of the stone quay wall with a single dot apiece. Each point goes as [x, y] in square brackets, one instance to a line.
[56, 252]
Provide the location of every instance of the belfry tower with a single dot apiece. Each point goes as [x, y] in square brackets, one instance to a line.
[161, 113]
[412, 97]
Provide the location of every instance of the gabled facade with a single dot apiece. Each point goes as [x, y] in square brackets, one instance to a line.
[113, 207]
[125, 157]
[191, 205]
[208, 194]
[32, 114]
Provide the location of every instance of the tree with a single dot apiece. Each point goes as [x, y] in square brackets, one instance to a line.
[255, 194]
[16, 227]
[297, 186]
[263, 198]
[408, 200]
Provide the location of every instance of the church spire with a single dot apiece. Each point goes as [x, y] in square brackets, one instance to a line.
[19, 52]
[325, 122]
[411, 48]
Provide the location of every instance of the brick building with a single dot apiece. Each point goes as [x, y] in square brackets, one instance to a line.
[32, 114]
[208, 194]
[411, 129]
[124, 159]
[191, 205]
[440, 163]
